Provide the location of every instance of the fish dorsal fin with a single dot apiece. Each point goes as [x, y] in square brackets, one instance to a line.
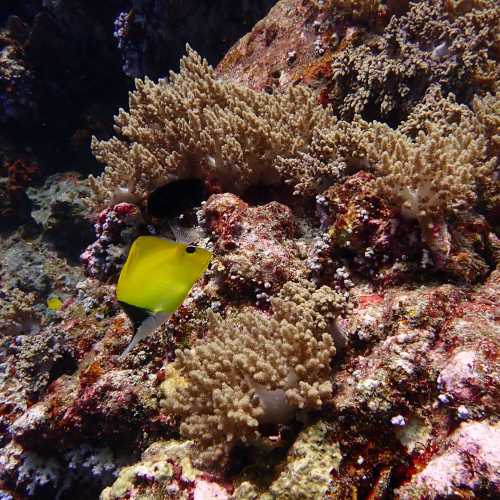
[184, 234]
[148, 326]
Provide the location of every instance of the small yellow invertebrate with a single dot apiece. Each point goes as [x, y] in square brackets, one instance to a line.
[54, 303]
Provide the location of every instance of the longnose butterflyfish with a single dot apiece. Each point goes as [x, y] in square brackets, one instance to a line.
[155, 279]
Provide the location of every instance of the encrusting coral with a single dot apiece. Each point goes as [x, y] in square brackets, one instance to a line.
[255, 369]
[195, 125]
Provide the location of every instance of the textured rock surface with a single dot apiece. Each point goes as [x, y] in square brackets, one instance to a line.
[256, 246]
[469, 465]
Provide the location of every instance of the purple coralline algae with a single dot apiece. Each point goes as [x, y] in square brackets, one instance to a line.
[131, 51]
[115, 228]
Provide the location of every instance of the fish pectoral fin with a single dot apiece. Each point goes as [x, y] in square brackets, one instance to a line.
[147, 327]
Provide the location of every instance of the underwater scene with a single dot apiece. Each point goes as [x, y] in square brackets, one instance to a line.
[249, 249]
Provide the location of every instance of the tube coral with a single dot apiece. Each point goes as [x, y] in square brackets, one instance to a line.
[256, 369]
[195, 125]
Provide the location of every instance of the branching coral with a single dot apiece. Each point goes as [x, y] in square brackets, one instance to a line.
[429, 168]
[387, 76]
[198, 126]
[332, 153]
[436, 108]
[487, 112]
[256, 369]
[315, 169]
[434, 174]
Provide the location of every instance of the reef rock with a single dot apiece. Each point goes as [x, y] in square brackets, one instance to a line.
[468, 465]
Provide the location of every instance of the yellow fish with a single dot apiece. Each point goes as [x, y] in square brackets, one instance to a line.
[54, 303]
[156, 278]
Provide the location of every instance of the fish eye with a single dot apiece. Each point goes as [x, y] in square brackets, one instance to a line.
[190, 249]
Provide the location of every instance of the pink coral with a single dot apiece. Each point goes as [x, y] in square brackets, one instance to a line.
[460, 377]
[469, 465]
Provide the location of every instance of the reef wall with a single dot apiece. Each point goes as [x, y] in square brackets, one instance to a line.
[341, 164]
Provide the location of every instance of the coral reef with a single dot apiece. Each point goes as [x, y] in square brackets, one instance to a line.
[59, 208]
[255, 369]
[387, 76]
[362, 232]
[54, 56]
[38, 476]
[436, 174]
[344, 342]
[432, 167]
[17, 314]
[115, 229]
[470, 461]
[195, 125]
[307, 472]
[254, 246]
[166, 470]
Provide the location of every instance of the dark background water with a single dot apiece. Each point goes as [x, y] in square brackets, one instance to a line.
[67, 65]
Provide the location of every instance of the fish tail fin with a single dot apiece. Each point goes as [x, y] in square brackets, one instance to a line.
[147, 327]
